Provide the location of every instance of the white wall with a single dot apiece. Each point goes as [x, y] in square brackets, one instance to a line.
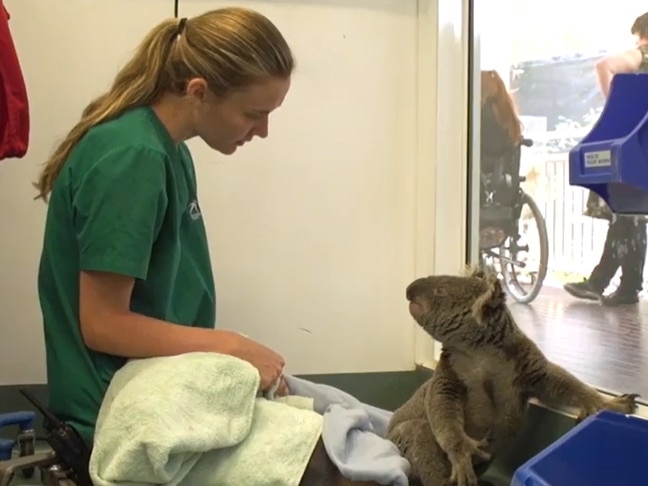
[74, 56]
[313, 231]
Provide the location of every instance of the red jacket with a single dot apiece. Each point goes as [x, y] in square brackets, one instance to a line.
[14, 108]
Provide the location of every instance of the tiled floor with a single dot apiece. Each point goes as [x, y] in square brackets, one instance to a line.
[606, 347]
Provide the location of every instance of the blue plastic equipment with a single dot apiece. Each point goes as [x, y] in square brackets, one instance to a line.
[612, 159]
[6, 448]
[25, 438]
[606, 449]
[25, 423]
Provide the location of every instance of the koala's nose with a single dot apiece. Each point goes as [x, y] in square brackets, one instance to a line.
[415, 288]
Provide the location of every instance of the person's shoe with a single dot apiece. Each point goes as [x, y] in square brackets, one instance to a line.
[583, 290]
[620, 298]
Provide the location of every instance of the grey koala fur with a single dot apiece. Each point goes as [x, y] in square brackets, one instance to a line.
[476, 401]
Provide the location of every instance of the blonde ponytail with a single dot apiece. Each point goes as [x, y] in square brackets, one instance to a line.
[136, 84]
[230, 48]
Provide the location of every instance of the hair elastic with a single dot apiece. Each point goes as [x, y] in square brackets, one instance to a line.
[181, 25]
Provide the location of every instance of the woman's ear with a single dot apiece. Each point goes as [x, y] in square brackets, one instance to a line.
[197, 88]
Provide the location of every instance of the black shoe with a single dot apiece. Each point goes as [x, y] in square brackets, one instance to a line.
[583, 290]
[620, 298]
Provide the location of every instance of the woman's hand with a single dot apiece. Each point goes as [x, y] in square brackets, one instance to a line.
[269, 363]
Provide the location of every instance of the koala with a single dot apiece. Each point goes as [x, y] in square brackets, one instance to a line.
[475, 404]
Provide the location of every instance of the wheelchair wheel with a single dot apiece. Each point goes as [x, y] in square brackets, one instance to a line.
[524, 256]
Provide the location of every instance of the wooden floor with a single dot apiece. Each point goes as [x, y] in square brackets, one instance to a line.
[606, 347]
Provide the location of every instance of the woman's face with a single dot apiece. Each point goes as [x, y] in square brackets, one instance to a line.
[229, 122]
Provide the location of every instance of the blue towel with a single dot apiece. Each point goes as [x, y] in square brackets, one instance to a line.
[354, 434]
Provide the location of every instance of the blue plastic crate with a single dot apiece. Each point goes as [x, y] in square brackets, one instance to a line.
[606, 449]
[612, 159]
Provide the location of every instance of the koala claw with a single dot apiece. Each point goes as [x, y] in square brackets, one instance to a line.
[463, 471]
[625, 403]
[476, 448]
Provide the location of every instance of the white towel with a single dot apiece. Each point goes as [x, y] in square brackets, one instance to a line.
[195, 419]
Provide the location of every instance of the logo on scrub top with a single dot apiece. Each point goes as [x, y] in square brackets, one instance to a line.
[194, 210]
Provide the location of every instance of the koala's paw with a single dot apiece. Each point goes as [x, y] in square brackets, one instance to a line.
[623, 403]
[463, 471]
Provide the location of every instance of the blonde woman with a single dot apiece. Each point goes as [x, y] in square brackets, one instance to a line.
[125, 270]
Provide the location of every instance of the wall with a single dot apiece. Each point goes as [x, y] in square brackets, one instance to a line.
[312, 230]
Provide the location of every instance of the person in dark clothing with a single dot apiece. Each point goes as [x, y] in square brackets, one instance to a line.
[501, 130]
[625, 247]
[625, 243]
[501, 135]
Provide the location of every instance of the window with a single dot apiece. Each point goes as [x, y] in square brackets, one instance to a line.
[542, 57]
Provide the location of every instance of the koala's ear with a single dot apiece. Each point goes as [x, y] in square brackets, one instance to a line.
[474, 271]
[490, 303]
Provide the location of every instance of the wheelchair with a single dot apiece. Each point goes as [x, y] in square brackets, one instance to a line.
[509, 219]
[24, 442]
[63, 463]
[26, 461]
[52, 473]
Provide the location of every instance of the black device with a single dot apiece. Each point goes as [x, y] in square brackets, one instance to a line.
[71, 450]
